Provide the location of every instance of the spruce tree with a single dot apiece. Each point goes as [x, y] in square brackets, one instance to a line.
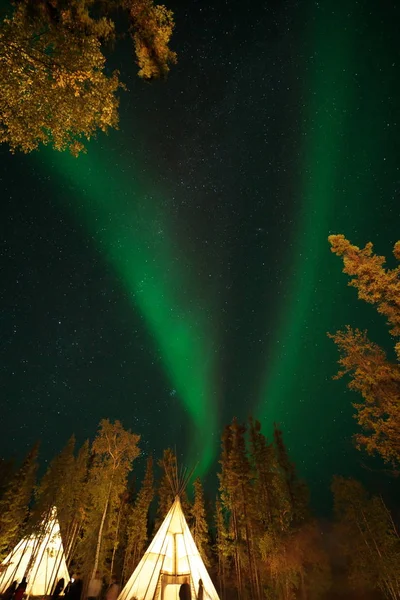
[137, 520]
[7, 469]
[371, 374]
[199, 522]
[165, 493]
[296, 489]
[237, 494]
[223, 548]
[55, 484]
[72, 511]
[15, 503]
[264, 464]
[369, 539]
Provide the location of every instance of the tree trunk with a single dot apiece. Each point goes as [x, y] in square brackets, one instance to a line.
[237, 557]
[116, 539]
[100, 535]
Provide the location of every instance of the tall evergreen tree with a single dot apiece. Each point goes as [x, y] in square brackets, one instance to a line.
[199, 522]
[72, 511]
[15, 503]
[165, 493]
[55, 483]
[223, 548]
[237, 494]
[265, 467]
[371, 374]
[137, 520]
[369, 539]
[7, 469]
[296, 489]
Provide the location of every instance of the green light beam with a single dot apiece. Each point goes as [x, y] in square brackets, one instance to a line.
[130, 227]
[327, 111]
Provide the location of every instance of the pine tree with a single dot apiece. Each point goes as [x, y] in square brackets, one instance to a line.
[223, 548]
[199, 522]
[297, 491]
[378, 382]
[55, 484]
[369, 538]
[371, 373]
[15, 503]
[72, 511]
[165, 493]
[137, 519]
[7, 469]
[237, 494]
[265, 467]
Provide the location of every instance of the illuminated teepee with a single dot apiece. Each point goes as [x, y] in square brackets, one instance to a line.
[171, 559]
[40, 558]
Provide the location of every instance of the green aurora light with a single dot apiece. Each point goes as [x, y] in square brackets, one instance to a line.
[346, 175]
[131, 229]
[323, 145]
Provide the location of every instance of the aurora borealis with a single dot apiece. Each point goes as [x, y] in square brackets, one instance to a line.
[179, 273]
[132, 231]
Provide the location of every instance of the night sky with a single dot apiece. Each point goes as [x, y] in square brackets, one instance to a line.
[179, 273]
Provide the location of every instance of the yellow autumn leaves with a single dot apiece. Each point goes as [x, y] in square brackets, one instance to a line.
[54, 86]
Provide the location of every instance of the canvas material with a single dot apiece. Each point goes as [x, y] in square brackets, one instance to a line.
[47, 567]
[171, 557]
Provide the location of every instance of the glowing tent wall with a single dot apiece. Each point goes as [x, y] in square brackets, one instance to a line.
[39, 558]
[171, 558]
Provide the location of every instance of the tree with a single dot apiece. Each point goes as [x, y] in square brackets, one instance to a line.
[55, 484]
[371, 374]
[14, 505]
[223, 547]
[165, 493]
[293, 561]
[374, 283]
[295, 489]
[114, 450]
[199, 521]
[368, 537]
[137, 519]
[265, 468]
[296, 562]
[7, 468]
[237, 495]
[55, 85]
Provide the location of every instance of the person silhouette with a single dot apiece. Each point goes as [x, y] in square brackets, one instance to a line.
[200, 593]
[58, 589]
[20, 591]
[184, 591]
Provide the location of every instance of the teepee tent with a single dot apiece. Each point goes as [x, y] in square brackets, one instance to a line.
[39, 558]
[171, 559]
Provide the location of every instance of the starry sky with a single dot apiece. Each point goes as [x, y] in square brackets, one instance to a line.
[179, 274]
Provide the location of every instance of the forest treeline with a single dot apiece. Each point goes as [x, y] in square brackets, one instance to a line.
[258, 538]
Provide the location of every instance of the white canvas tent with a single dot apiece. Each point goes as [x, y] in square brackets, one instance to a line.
[40, 558]
[171, 558]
